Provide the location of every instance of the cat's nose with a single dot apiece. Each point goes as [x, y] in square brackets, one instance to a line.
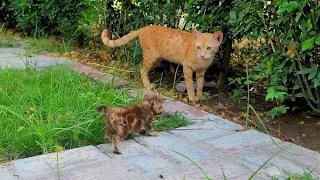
[202, 56]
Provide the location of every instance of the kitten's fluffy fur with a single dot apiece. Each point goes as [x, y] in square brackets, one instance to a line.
[195, 51]
[128, 119]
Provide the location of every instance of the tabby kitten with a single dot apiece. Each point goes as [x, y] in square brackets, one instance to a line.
[195, 51]
[128, 119]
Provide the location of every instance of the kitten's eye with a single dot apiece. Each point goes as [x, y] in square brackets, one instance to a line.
[209, 48]
[198, 47]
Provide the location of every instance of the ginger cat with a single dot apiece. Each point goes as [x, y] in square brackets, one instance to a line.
[128, 119]
[195, 51]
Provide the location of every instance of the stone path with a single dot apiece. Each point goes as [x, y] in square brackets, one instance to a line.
[213, 143]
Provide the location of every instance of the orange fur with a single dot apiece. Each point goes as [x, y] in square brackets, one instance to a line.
[195, 51]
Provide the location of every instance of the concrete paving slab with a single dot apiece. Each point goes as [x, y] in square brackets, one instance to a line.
[19, 62]
[140, 158]
[20, 51]
[244, 140]
[290, 157]
[212, 166]
[10, 55]
[190, 112]
[202, 130]
[45, 61]
[45, 166]
[166, 144]
[6, 173]
[105, 78]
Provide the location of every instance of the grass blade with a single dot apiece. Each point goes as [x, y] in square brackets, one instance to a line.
[256, 172]
[194, 163]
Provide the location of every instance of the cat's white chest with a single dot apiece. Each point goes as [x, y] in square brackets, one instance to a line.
[201, 64]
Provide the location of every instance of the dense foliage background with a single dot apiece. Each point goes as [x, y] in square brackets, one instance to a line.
[284, 64]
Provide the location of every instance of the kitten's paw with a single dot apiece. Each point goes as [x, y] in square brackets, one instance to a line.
[153, 133]
[117, 151]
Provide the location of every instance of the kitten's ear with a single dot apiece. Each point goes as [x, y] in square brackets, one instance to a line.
[146, 98]
[196, 33]
[218, 36]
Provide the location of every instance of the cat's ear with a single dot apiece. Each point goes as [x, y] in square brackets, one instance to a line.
[146, 98]
[218, 36]
[196, 33]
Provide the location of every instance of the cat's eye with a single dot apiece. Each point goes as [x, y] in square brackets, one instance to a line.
[198, 47]
[209, 48]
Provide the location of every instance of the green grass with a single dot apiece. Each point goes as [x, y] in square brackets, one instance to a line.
[7, 39]
[44, 110]
[38, 45]
[304, 176]
[170, 122]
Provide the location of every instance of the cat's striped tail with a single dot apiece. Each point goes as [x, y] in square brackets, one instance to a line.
[119, 42]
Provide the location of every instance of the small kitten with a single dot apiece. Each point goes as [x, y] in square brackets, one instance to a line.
[133, 118]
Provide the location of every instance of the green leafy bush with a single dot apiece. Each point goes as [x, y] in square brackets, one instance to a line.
[289, 60]
[55, 17]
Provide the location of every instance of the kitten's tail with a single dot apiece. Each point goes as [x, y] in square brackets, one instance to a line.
[119, 42]
[102, 109]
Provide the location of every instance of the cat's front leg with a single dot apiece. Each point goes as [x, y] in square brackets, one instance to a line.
[200, 80]
[149, 130]
[189, 83]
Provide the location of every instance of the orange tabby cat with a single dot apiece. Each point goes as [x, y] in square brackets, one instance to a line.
[195, 51]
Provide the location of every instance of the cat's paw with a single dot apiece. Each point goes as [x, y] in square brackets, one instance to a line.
[193, 98]
[149, 87]
[200, 97]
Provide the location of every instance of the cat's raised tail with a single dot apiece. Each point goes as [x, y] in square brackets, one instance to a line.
[102, 109]
[119, 42]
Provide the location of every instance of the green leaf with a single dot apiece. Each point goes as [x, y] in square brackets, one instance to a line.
[298, 15]
[248, 82]
[292, 5]
[317, 41]
[305, 70]
[188, 25]
[312, 75]
[316, 83]
[291, 68]
[297, 86]
[300, 123]
[307, 44]
[309, 25]
[257, 68]
[233, 14]
[271, 93]
[282, 88]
